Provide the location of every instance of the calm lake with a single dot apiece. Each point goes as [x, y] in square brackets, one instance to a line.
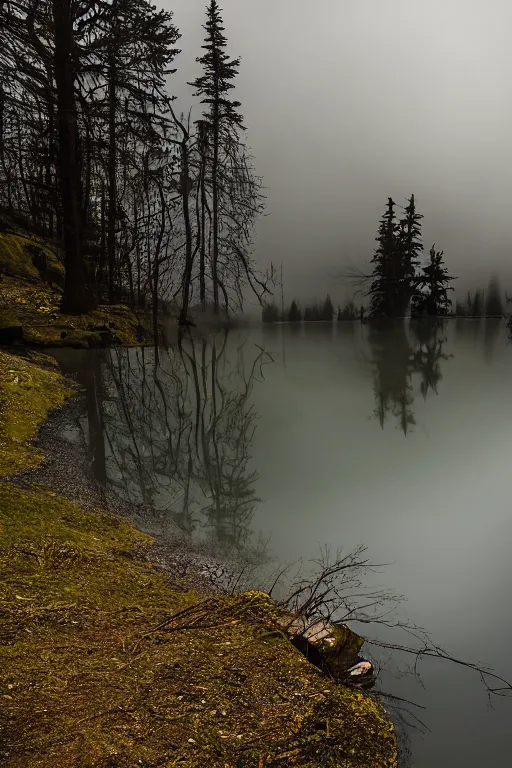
[399, 439]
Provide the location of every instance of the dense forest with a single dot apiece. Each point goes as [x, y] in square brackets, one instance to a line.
[147, 204]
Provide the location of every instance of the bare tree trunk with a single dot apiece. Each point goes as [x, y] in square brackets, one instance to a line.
[112, 203]
[22, 169]
[77, 297]
[87, 190]
[189, 258]
[103, 243]
[215, 206]
[49, 164]
[202, 261]
[91, 378]
[3, 160]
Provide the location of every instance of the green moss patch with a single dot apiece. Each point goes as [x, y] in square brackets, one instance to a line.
[31, 281]
[35, 306]
[31, 258]
[27, 393]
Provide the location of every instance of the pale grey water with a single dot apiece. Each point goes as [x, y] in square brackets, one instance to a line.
[399, 440]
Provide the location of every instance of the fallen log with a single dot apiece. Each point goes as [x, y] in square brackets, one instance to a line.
[332, 647]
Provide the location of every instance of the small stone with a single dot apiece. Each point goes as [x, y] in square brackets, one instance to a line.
[191, 741]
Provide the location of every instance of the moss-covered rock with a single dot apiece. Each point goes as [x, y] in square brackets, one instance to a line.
[31, 258]
[32, 277]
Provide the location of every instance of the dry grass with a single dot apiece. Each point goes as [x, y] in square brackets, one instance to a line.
[89, 680]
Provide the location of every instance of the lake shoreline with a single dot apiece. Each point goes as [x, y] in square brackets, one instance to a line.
[79, 555]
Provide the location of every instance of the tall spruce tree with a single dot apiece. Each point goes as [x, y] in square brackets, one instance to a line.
[384, 296]
[431, 297]
[327, 309]
[221, 118]
[410, 248]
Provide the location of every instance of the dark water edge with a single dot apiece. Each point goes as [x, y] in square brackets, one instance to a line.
[67, 472]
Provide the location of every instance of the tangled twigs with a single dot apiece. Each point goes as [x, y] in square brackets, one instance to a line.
[208, 614]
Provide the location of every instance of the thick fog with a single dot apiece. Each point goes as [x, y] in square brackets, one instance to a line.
[349, 101]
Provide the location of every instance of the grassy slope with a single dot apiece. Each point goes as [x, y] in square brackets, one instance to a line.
[27, 391]
[30, 297]
[86, 679]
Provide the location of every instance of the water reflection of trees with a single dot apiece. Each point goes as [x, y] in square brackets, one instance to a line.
[491, 334]
[431, 339]
[177, 432]
[396, 357]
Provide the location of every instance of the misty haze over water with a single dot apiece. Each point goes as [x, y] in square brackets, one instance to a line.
[347, 103]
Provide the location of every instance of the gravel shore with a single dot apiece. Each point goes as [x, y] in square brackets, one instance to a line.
[67, 472]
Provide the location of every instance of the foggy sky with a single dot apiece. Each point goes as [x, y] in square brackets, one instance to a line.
[349, 101]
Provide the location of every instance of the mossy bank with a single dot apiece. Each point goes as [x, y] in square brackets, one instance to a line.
[31, 281]
[104, 663]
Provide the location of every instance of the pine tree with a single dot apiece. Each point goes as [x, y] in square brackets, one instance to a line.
[434, 284]
[410, 247]
[494, 301]
[384, 298]
[294, 312]
[327, 309]
[222, 116]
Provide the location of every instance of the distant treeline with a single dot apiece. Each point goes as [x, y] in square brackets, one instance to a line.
[401, 282]
[313, 312]
[481, 303]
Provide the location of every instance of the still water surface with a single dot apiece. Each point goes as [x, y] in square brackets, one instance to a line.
[399, 439]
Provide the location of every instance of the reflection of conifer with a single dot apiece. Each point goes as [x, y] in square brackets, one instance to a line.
[491, 333]
[427, 358]
[393, 362]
